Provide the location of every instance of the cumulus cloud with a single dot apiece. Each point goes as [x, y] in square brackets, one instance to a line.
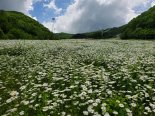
[91, 15]
[53, 6]
[153, 3]
[17, 5]
[35, 18]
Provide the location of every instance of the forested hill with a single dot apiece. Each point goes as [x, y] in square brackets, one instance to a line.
[142, 27]
[15, 25]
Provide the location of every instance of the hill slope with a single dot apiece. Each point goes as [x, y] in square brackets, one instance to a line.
[15, 25]
[101, 34]
[142, 27]
[63, 35]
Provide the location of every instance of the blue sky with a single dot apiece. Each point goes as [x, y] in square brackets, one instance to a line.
[45, 14]
[78, 16]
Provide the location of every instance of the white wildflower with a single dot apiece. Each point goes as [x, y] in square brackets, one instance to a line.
[97, 100]
[106, 114]
[85, 113]
[128, 110]
[22, 87]
[25, 102]
[63, 113]
[95, 104]
[14, 93]
[121, 105]
[133, 104]
[115, 112]
[21, 113]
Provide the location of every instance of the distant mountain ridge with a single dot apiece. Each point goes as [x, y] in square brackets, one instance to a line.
[101, 34]
[16, 25]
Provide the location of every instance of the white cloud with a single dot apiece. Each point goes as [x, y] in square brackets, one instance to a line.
[90, 15]
[153, 3]
[35, 18]
[17, 5]
[53, 6]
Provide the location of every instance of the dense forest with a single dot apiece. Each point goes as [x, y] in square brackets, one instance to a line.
[63, 36]
[101, 34]
[15, 25]
[142, 27]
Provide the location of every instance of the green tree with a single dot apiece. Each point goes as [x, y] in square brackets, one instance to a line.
[1, 34]
[16, 25]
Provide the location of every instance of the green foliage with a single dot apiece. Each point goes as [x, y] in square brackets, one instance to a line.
[101, 34]
[1, 33]
[142, 27]
[63, 36]
[15, 51]
[16, 25]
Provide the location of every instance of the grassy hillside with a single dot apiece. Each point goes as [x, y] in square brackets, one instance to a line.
[142, 27]
[15, 25]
